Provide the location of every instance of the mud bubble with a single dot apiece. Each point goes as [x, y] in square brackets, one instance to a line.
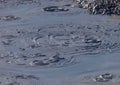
[55, 9]
[9, 18]
[104, 77]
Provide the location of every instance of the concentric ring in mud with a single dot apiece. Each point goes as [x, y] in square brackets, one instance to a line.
[70, 47]
[57, 46]
[68, 40]
[79, 43]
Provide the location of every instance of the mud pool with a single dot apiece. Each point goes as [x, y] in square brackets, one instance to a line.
[52, 48]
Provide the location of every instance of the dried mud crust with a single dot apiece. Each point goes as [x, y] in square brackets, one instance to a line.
[56, 45]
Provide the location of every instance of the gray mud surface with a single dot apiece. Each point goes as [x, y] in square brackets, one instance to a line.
[39, 47]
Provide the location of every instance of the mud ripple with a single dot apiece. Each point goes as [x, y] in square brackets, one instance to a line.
[37, 46]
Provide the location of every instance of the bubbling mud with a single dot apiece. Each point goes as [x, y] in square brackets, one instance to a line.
[54, 46]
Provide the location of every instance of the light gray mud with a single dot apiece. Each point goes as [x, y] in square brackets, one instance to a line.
[54, 48]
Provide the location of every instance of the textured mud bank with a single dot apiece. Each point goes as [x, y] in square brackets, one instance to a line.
[55, 46]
